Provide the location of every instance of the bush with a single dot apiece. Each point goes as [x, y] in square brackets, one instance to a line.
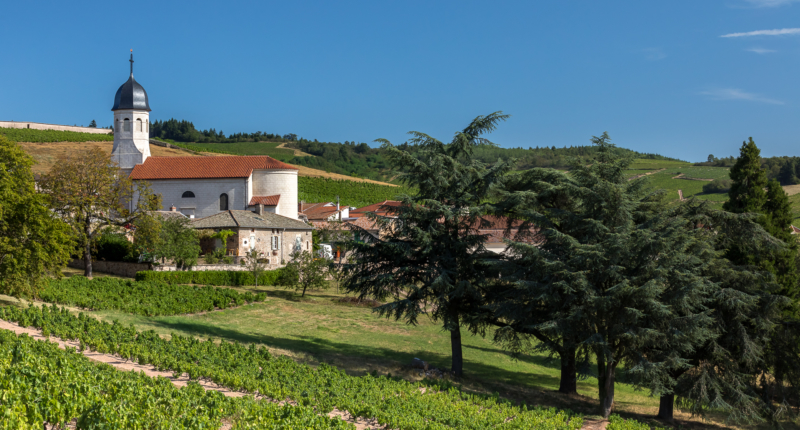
[717, 186]
[615, 422]
[113, 246]
[211, 277]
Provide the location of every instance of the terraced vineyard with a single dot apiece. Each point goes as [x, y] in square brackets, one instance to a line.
[350, 193]
[40, 136]
[142, 297]
[393, 402]
[40, 383]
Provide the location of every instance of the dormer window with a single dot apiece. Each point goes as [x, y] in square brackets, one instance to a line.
[187, 195]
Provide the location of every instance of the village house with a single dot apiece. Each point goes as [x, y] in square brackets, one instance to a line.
[326, 211]
[274, 236]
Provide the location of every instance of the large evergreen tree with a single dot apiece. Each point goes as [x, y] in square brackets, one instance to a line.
[430, 260]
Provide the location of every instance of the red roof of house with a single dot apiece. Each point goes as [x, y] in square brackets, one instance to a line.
[205, 167]
[265, 200]
[320, 212]
[382, 208]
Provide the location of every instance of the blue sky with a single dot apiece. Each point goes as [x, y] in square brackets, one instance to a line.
[679, 78]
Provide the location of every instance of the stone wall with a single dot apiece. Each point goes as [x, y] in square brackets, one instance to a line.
[118, 268]
[42, 126]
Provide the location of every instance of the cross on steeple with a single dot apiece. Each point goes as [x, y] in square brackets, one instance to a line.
[131, 60]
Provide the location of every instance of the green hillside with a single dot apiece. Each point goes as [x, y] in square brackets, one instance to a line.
[350, 193]
[40, 136]
[247, 148]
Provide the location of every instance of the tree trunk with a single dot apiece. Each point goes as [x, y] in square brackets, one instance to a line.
[605, 381]
[455, 344]
[87, 252]
[569, 372]
[304, 291]
[665, 407]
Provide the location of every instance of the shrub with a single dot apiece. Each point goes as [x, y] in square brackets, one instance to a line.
[211, 277]
[615, 422]
[112, 246]
[717, 186]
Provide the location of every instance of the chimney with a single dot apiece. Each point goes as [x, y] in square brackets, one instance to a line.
[338, 213]
[260, 209]
[300, 206]
[173, 208]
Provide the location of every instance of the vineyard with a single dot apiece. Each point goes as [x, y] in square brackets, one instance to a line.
[393, 402]
[358, 194]
[148, 298]
[40, 136]
[40, 383]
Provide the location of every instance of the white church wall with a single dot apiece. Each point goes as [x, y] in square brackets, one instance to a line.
[206, 194]
[283, 182]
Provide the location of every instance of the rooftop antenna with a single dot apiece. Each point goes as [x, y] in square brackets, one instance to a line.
[131, 60]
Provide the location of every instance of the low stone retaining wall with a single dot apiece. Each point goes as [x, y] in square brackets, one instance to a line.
[129, 270]
[118, 268]
[43, 126]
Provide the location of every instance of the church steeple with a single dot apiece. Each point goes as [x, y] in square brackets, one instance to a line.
[131, 124]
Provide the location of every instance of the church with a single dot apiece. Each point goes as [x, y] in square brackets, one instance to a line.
[198, 187]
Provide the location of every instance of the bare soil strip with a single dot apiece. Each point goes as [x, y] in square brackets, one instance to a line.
[125, 365]
[646, 174]
[691, 179]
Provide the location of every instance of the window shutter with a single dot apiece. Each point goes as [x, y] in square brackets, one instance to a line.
[279, 242]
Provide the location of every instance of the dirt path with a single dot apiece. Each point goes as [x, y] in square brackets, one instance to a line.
[680, 176]
[297, 152]
[646, 174]
[127, 366]
[593, 424]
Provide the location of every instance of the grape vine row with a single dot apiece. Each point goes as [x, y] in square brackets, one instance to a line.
[148, 298]
[394, 402]
[41, 383]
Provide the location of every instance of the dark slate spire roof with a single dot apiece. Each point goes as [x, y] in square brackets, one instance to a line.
[131, 95]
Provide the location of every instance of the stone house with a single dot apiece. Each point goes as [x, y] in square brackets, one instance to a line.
[276, 236]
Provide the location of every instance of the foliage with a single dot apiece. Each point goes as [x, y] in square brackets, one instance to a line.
[114, 246]
[351, 193]
[431, 254]
[247, 148]
[149, 298]
[33, 242]
[41, 136]
[717, 186]
[178, 241]
[184, 131]
[305, 272]
[215, 256]
[616, 271]
[255, 264]
[86, 190]
[85, 394]
[394, 403]
[211, 277]
[615, 422]
[146, 236]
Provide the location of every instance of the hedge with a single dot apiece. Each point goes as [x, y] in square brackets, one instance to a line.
[211, 277]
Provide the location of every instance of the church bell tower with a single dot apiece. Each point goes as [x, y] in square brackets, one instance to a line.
[131, 124]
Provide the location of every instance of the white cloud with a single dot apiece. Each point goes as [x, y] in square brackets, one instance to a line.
[776, 32]
[770, 3]
[654, 54]
[761, 51]
[737, 94]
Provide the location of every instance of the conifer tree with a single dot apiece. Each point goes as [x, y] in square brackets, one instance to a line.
[430, 260]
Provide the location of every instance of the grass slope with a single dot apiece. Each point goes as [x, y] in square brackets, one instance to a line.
[249, 148]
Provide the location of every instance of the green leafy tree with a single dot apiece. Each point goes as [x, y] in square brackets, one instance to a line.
[86, 190]
[146, 236]
[430, 261]
[254, 264]
[178, 242]
[304, 272]
[33, 242]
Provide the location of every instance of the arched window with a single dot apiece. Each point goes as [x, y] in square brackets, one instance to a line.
[126, 124]
[187, 195]
[116, 125]
[139, 125]
[223, 202]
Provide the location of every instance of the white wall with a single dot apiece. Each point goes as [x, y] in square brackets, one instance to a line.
[43, 126]
[283, 182]
[206, 194]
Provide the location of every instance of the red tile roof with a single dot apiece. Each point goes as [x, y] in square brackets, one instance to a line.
[205, 167]
[321, 212]
[383, 208]
[265, 200]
